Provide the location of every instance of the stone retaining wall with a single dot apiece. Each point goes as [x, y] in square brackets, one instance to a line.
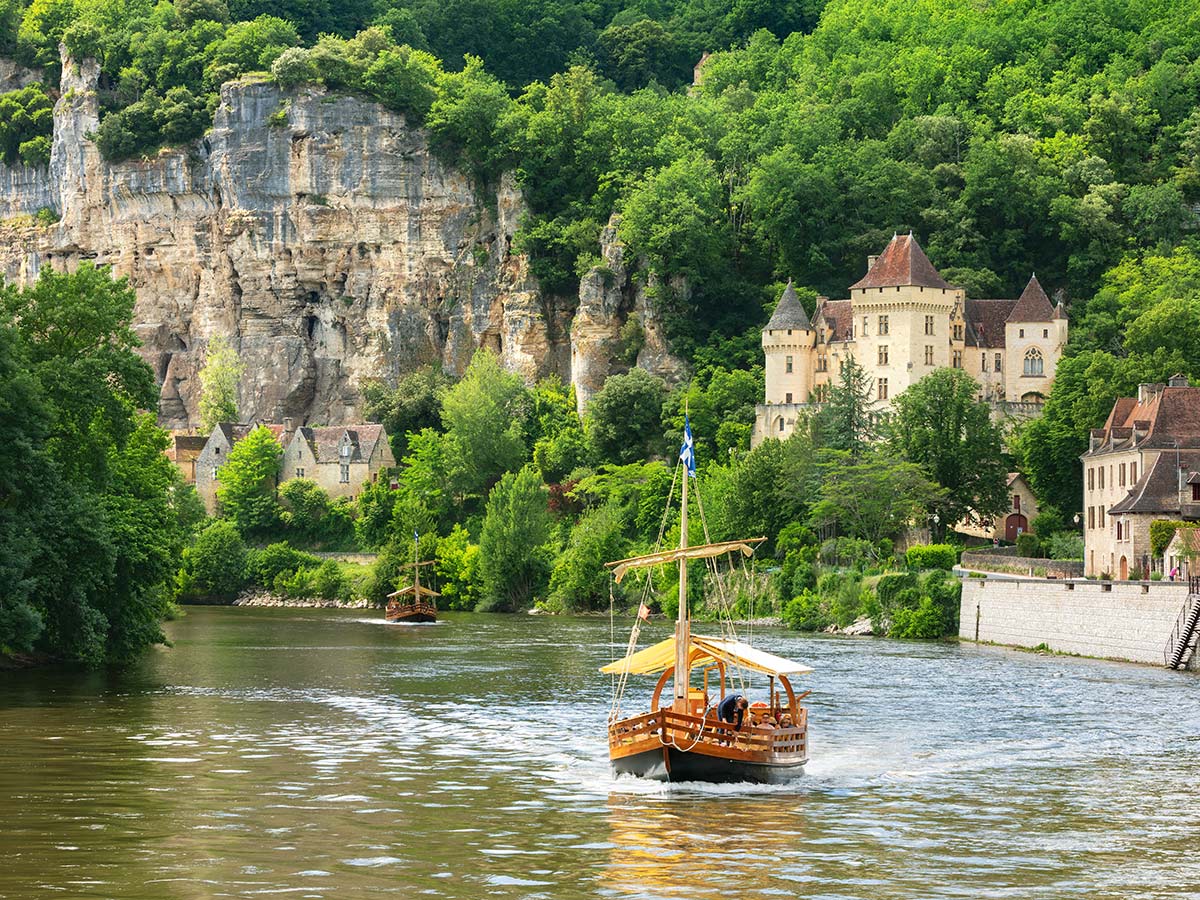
[998, 561]
[1128, 620]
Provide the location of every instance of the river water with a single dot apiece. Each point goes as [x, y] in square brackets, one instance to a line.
[323, 754]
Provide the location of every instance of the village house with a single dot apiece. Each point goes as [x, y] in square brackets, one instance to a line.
[341, 458]
[1143, 465]
[184, 451]
[1022, 510]
[902, 321]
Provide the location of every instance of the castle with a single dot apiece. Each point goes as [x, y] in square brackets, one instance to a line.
[902, 321]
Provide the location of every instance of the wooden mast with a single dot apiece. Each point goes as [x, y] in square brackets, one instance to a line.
[683, 624]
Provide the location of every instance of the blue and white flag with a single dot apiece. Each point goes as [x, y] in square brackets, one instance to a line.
[687, 453]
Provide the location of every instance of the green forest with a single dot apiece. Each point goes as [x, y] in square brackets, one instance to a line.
[1059, 137]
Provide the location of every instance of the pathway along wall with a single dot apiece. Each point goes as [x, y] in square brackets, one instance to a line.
[1130, 621]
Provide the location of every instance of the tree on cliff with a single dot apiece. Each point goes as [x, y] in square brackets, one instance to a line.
[248, 481]
[624, 419]
[940, 424]
[484, 416]
[219, 380]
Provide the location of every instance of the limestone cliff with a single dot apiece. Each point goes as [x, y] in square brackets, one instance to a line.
[322, 236]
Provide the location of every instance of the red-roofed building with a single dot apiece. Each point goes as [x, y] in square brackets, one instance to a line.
[1143, 465]
[902, 321]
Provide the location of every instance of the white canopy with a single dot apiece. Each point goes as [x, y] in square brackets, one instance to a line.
[661, 656]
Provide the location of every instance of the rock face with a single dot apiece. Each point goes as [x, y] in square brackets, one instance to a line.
[615, 326]
[321, 235]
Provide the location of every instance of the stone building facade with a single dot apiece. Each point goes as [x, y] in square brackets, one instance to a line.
[1018, 519]
[340, 458]
[1143, 465]
[901, 321]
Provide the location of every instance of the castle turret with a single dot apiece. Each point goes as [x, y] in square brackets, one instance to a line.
[788, 345]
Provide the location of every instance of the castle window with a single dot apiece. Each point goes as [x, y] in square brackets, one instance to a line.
[789, 332]
[781, 423]
[883, 355]
[929, 324]
[957, 359]
[214, 473]
[864, 331]
[883, 324]
[1101, 478]
[982, 362]
[787, 398]
[1045, 332]
[997, 362]
[1101, 508]
[1121, 472]
[1091, 479]
[1196, 492]
[1133, 473]
[1033, 361]
[788, 364]
[958, 332]
[883, 396]
[299, 472]
[1091, 517]
[1021, 332]
[345, 473]
[1118, 529]
[1016, 502]
[928, 355]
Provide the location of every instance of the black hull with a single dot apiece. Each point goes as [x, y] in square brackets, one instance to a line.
[669, 764]
[416, 617]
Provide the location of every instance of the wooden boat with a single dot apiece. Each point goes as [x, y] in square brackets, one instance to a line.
[414, 602]
[681, 738]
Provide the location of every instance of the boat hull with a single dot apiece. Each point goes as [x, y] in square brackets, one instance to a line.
[671, 765]
[413, 617]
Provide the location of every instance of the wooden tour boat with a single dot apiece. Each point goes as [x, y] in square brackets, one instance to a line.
[681, 737]
[415, 602]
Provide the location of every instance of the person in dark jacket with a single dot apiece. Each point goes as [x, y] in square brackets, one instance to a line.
[733, 710]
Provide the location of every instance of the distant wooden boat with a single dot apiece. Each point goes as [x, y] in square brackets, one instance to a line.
[415, 602]
[682, 739]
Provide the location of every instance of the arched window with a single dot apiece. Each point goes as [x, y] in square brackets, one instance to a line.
[1034, 364]
[781, 423]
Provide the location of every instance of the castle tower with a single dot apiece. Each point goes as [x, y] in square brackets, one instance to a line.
[787, 343]
[1035, 334]
[903, 311]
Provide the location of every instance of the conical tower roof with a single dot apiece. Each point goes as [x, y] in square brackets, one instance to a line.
[901, 264]
[789, 312]
[1033, 305]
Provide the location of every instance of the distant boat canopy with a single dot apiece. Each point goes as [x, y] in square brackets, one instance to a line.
[706, 651]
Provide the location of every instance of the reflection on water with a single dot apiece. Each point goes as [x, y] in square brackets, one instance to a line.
[320, 754]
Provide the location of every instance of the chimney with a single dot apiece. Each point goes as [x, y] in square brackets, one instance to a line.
[871, 261]
[1177, 380]
[289, 425]
[1147, 392]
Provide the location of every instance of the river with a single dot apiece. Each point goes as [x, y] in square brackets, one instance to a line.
[323, 754]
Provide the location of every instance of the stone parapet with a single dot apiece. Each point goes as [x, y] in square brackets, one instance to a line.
[1130, 621]
[1001, 561]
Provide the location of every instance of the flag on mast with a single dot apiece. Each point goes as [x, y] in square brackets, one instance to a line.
[687, 453]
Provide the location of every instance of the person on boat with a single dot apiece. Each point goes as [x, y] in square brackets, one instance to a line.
[733, 710]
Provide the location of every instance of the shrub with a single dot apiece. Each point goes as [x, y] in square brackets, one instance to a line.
[1161, 532]
[215, 565]
[932, 556]
[1064, 545]
[806, 613]
[1028, 545]
[264, 566]
[294, 66]
[889, 587]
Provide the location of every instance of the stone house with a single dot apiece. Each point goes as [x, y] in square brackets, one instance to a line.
[1183, 553]
[1143, 465]
[340, 458]
[184, 451]
[1022, 510]
[216, 450]
[902, 321]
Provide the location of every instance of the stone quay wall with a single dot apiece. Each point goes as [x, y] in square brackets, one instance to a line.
[999, 561]
[1130, 621]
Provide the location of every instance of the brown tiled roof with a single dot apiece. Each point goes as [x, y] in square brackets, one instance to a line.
[838, 316]
[902, 263]
[789, 312]
[985, 321]
[1157, 491]
[1033, 305]
[1169, 416]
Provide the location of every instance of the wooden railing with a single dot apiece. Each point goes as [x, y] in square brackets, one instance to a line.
[686, 732]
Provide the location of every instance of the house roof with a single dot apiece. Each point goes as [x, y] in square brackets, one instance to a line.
[902, 263]
[1157, 491]
[1186, 539]
[1033, 305]
[1161, 417]
[985, 321]
[789, 312]
[838, 316]
[326, 441]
